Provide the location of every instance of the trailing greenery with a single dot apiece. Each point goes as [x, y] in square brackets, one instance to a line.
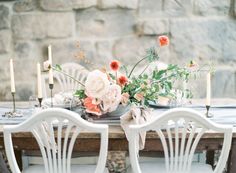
[159, 83]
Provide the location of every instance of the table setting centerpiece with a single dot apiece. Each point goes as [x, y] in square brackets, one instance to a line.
[115, 90]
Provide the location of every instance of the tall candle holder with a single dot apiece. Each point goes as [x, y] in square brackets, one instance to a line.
[208, 114]
[51, 88]
[40, 102]
[13, 113]
[14, 102]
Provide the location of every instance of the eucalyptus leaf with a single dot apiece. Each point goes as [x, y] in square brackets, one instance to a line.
[58, 67]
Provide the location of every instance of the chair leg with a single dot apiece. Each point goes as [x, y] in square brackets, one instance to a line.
[18, 155]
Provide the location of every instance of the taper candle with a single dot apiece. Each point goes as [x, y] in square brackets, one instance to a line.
[50, 53]
[40, 95]
[208, 89]
[13, 89]
[50, 61]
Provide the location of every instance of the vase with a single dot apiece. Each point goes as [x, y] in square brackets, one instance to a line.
[120, 110]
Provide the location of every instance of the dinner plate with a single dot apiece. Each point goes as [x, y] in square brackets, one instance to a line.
[156, 105]
[47, 103]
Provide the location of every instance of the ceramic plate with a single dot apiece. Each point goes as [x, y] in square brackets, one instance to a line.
[47, 103]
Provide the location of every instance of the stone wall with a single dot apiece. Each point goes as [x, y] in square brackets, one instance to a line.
[203, 30]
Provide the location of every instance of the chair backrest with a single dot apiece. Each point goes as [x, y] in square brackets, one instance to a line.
[56, 131]
[66, 83]
[180, 130]
[75, 70]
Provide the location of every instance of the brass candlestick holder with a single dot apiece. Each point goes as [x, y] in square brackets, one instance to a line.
[208, 114]
[14, 102]
[13, 113]
[40, 102]
[51, 88]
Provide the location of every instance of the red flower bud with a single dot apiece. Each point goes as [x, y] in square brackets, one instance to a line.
[122, 80]
[115, 65]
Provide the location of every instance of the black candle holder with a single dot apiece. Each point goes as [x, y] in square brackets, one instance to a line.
[40, 102]
[208, 114]
[51, 88]
[14, 102]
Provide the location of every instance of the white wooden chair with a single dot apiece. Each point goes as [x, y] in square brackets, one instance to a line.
[179, 130]
[66, 83]
[51, 127]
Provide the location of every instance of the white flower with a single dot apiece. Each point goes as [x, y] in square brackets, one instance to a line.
[97, 84]
[111, 99]
[46, 65]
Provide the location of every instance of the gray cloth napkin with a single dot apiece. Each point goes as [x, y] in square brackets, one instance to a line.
[136, 115]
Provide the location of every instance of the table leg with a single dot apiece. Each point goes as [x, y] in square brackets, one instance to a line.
[210, 155]
[232, 158]
[18, 155]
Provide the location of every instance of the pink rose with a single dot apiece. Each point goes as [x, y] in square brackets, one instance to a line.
[111, 99]
[97, 84]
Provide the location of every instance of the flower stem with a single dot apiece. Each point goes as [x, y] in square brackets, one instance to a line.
[144, 70]
[164, 78]
[116, 76]
[68, 76]
[136, 66]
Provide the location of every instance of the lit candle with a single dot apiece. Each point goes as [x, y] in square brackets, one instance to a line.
[208, 89]
[50, 61]
[40, 95]
[13, 90]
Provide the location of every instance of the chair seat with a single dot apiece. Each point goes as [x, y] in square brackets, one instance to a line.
[160, 168]
[74, 169]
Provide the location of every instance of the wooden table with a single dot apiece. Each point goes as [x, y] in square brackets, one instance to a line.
[90, 142]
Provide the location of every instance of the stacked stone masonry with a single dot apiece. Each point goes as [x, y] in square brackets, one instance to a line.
[203, 30]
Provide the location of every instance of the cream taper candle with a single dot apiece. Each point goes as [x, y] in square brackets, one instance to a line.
[40, 95]
[50, 61]
[50, 76]
[50, 53]
[13, 89]
[208, 89]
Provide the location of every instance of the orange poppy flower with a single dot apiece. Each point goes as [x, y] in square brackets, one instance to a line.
[122, 80]
[163, 40]
[91, 107]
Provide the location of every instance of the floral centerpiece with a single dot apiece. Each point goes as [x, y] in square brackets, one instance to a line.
[103, 90]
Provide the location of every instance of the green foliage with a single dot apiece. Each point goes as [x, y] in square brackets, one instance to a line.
[159, 83]
[58, 67]
[112, 76]
[124, 68]
[151, 55]
[80, 93]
